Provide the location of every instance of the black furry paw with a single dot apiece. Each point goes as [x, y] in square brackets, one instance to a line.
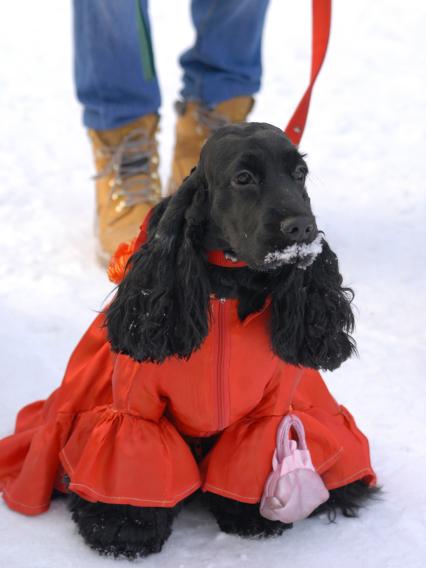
[243, 519]
[122, 530]
[348, 500]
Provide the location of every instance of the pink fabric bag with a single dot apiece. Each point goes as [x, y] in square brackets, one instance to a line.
[294, 489]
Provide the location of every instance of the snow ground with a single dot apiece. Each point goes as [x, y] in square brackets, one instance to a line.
[365, 140]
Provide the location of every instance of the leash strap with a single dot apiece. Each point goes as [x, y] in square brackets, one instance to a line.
[321, 20]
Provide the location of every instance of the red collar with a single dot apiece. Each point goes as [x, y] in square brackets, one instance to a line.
[218, 258]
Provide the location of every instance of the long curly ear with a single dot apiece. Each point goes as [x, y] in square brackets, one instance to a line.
[312, 317]
[162, 306]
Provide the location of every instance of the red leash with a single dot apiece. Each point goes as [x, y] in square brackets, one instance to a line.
[321, 20]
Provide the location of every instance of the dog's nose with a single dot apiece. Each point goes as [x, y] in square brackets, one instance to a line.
[299, 229]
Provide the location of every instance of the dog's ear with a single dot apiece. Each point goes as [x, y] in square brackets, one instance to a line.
[162, 306]
[312, 317]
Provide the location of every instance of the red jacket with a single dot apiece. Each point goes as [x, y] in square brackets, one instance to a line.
[117, 428]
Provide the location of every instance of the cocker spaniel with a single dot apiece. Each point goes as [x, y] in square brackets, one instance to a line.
[246, 197]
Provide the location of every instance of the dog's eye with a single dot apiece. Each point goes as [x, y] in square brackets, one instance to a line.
[300, 173]
[244, 178]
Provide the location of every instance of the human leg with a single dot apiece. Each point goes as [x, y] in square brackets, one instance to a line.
[221, 72]
[116, 84]
[225, 61]
[111, 81]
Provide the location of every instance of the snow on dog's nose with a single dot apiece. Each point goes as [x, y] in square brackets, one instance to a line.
[302, 254]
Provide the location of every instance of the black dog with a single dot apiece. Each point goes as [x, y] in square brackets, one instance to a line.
[247, 197]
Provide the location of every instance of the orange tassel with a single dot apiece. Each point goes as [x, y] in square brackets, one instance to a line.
[118, 264]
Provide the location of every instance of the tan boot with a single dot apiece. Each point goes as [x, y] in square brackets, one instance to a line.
[127, 180]
[194, 125]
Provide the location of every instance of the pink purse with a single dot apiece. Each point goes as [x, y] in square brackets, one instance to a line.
[294, 489]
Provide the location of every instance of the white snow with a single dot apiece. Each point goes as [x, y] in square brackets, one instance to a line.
[305, 253]
[365, 141]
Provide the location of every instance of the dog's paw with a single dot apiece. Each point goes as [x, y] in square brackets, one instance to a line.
[348, 500]
[243, 519]
[122, 530]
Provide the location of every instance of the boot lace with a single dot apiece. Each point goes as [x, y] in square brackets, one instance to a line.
[211, 119]
[130, 162]
[206, 117]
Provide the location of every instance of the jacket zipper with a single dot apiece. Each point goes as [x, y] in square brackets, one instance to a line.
[221, 379]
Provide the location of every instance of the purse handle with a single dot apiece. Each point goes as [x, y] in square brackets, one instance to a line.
[283, 436]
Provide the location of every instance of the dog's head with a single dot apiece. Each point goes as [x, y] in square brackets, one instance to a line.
[246, 196]
[259, 207]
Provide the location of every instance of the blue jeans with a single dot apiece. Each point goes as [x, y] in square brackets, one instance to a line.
[111, 58]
